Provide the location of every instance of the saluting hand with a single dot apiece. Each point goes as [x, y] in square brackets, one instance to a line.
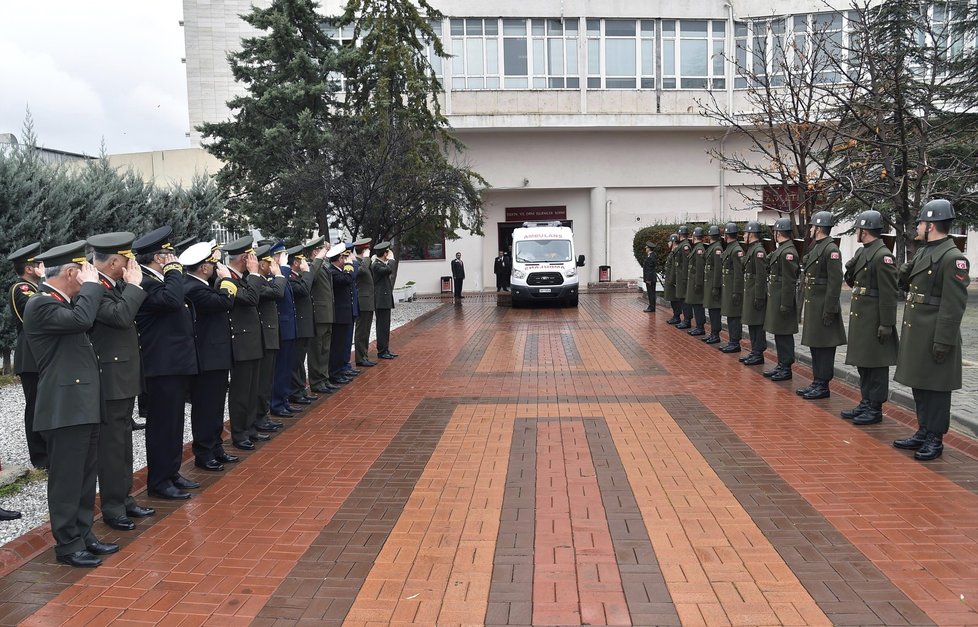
[303, 266]
[320, 253]
[251, 263]
[87, 274]
[133, 273]
[222, 270]
[276, 270]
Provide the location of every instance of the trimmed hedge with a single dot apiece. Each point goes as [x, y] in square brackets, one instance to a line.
[659, 234]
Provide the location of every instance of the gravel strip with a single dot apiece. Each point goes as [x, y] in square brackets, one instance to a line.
[31, 501]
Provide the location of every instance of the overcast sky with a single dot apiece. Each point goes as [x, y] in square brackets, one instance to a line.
[93, 69]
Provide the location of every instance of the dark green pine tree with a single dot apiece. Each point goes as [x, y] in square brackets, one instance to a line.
[280, 126]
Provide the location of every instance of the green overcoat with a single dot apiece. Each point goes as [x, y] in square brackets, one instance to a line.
[116, 340]
[783, 265]
[732, 271]
[755, 285]
[669, 285]
[685, 248]
[823, 286]
[872, 274]
[696, 274]
[713, 277]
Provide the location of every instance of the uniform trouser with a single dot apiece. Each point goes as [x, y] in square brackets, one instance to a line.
[266, 375]
[823, 363]
[677, 308]
[164, 429]
[458, 287]
[700, 314]
[715, 320]
[282, 379]
[319, 354]
[874, 384]
[36, 447]
[337, 348]
[243, 397]
[785, 345]
[115, 457]
[758, 338]
[207, 393]
[142, 402]
[349, 342]
[383, 330]
[687, 311]
[735, 329]
[933, 410]
[300, 349]
[361, 338]
[651, 293]
[71, 485]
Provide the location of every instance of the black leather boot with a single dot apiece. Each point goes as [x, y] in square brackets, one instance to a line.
[806, 390]
[850, 414]
[713, 338]
[820, 389]
[773, 371]
[912, 443]
[782, 375]
[673, 320]
[932, 448]
[870, 416]
[754, 360]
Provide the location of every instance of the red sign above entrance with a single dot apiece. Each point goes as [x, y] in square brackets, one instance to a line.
[515, 214]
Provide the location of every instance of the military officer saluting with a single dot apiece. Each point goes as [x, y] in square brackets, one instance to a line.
[822, 330]
[365, 296]
[929, 358]
[324, 314]
[713, 283]
[781, 316]
[682, 276]
[732, 287]
[669, 285]
[57, 321]
[872, 275]
[696, 279]
[30, 273]
[753, 310]
[301, 280]
[383, 267]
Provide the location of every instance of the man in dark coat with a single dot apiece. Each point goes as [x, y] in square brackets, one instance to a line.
[324, 313]
[781, 315]
[116, 342]
[288, 331]
[458, 275]
[696, 279]
[669, 286]
[30, 273]
[872, 275]
[383, 267]
[682, 276]
[500, 270]
[166, 337]
[732, 287]
[341, 273]
[271, 293]
[210, 292]
[347, 370]
[713, 283]
[300, 279]
[755, 294]
[365, 300]
[929, 358]
[56, 322]
[648, 274]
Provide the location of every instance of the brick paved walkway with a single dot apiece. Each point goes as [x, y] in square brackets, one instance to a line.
[516, 467]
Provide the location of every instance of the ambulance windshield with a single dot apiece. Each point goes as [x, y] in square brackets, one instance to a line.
[543, 251]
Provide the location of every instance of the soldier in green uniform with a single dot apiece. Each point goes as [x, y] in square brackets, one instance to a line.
[669, 286]
[271, 291]
[116, 343]
[682, 276]
[872, 275]
[755, 294]
[781, 316]
[732, 288]
[383, 267]
[365, 299]
[56, 322]
[822, 330]
[713, 283]
[929, 357]
[30, 273]
[301, 279]
[696, 278]
[323, 315]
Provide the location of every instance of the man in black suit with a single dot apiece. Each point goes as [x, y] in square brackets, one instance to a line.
[500, 270]
[166, 336]
[56, 322]
[210, 292]
[116, 343]
[458, 275]
[300, 279]
[271, 292]
[648, 274]
[341, 273]
[382, 267]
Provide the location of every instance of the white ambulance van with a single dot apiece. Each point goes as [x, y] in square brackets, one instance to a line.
[544, 266]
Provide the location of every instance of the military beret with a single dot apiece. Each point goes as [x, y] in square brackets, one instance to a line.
[25, 254]
[184, 244]
[264, 251]
[296, 251]
[239, 246]
[362, 242]
[197, 254]
[66, 253]
[119, 243]
[381, 247]
[313, 244]
[155, 240]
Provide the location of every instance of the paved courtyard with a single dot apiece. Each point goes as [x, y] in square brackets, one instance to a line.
[550, 466]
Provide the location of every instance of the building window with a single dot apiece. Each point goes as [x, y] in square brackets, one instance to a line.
[423, 251]
[437, 63]
[343, 37]
[621, 54]
[693, 54]
[555, 54]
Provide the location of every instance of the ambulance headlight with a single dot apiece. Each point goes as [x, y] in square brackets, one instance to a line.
[570, 273]
[518, 274]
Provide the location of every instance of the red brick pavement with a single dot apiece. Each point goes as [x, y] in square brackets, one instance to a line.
[550, 466]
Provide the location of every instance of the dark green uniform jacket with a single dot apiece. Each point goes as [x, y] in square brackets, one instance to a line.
[383, 283]
[669, 285]
[20, 292]
[732, 271]
[270, 292]
[755, 285]
[696, 274]
[936, 297]
[872, 274]
[57, 331]
[713, 277]
[302, 297]
[246, 341]
[823, 285]
[782, 278]
[685, 248]
[322, 296]
[116, 340]
[365, 286]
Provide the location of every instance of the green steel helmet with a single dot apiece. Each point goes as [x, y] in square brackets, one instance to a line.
[714, 231]
[753, 227]
[698, 232]
[822, 218]
[936, 211]
[673, 238]
[782, 224]
[683, 230]
[871, 220]
[732, 229]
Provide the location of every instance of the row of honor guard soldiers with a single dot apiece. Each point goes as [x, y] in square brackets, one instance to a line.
[105, 319]
[776, 291]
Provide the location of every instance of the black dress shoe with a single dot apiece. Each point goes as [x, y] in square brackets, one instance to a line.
[209, 464]
[820, 390]
[782, 375]
[713, 339]
[339, 380]
[244, 445]
[932, 448]
[366, 364]
[122, 523]
[283, 414]
[351, 372]
[138, 511]
[261, 437]
[296, 400]
[102, 548]
[912, 443]
[805, 390]
[9, 514]
[322, 389]
[311, 397]
[850, 414]
[183, 483]
[138, 426]
[171, 493]
[388, 355]
[730, 348]
[683, 325]
[697, 331]
[80, 559]
[672, 320]
[649, 310]
[224, 458]
[266, 427]
[745, 357]
[872, 415]
[385, 356]
[754, 360]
